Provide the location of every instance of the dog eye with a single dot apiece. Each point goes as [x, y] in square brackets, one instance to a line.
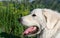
[33, 15]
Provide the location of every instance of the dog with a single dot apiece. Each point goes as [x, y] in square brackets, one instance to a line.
[45, 23]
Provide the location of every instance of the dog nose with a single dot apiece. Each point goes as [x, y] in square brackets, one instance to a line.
[20, 19]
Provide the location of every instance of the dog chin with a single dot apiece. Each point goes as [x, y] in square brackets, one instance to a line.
[38, 32]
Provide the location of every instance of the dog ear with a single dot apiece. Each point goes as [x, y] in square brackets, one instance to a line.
[51, 18]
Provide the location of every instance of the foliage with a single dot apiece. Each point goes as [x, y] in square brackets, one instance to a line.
[9, 15]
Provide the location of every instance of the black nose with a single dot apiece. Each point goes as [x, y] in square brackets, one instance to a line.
[20, 19]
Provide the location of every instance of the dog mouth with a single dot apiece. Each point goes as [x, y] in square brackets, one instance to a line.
[31, 30]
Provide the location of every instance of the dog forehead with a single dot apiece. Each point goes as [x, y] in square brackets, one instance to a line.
[36, 11]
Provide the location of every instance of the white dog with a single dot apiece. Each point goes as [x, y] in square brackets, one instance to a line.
[42, 22]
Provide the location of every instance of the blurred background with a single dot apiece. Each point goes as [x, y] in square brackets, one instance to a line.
[11, 10]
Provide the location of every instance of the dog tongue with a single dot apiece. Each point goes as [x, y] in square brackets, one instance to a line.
[29, 30]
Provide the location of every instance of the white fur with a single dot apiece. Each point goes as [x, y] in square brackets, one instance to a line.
[46, 19]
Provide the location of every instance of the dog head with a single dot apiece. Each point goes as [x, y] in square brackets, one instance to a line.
[36, 21]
